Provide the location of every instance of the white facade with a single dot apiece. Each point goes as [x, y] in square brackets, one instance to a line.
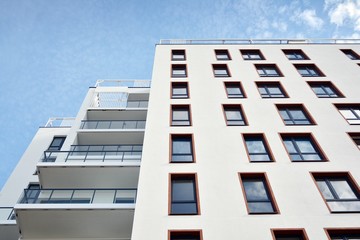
[220, 155]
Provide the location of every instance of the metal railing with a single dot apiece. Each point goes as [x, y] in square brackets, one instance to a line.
[117, 100]
[257, 41]
[123, 83]
[79, 196]
[113, 124]
[92, 156]
[7, 213]
[60, 122]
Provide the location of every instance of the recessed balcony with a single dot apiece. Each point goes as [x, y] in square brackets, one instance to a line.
[64, 213]
[113, 124]
[8, 227]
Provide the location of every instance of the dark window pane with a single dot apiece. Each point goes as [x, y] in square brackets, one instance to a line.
[257, 149]
[182, 149]
[183, 196]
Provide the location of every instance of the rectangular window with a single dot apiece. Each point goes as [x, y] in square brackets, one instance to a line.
[268, 70]
[178, 55]
[343, 234]
[289, 234]
[258, 194]
[271, 90]
[294, 114]
[308, 70]
[234, 90]
[180, 115]
[257, 148]
[302, 148]
[325, 90]
[179, 90]
[339, 191]
[185, 235]
[351, 112]
[222, 54]
[234, 115]
[178, 70]
[182, 149]
[351, 54]
[56, 144]
[295, 54]
[356, 138]
[184, 198]
[221, 70]
[252, 54]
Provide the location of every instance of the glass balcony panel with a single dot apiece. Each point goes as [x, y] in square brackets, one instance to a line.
[61, 196]
[125, 196]
[104, 196]
[82, 196]
[43, 196]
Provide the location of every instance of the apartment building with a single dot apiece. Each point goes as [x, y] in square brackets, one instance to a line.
[235, 139]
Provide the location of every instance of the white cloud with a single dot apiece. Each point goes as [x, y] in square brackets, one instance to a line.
[308, 17]
[344, 12]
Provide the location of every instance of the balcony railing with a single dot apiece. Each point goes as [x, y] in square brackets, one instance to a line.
[123, 83]
[113, 124]
[92, 156]
[79, 196]
[60, 122]
[111, 100]
[7, 213]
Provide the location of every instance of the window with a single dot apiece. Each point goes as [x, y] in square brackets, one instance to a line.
[343, 234]
[302, 147]
[350, 112]
[222, 54]
[178, 55]
[221, 70]
[182, 148]
[271, 90]
[325, 90]
[234, 115]
[56, 144]
[257, 194]
[234, 90]
[295, 54]
[179, 90]
[294, 114]
[351, 54]
[308, 70]
[257, 148]
[356, 138]
[268, 70]
[289, 234]
[339, 191]
[184, 198]
[185, 235]
[178, 70]
[180, 115]
[252, 54]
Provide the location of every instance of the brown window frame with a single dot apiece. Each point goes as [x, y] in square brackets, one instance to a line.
[184, 107]
[235, 84]
[356, 135]
[295, 106]
[235, 107]
[289, 232]
[268, 65]
[296, 51]
[315, 144]
[176, 59]
[248, 52]
[266, 146]
[256, 176]
[222, 52]
[310, 66]
[271, 83]
[173, 85]
[192, 154]
[341, 231]
[329, 84]
[224, 67]
[338, 106]
[193, 176]
[185, 233]
[352, 53]
[179, 66]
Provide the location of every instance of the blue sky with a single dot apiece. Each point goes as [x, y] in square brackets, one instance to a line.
[52, 51]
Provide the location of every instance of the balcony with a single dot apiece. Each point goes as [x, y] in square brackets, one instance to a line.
[60, 122]
[64, 213]
[8, 227]
[113, 124]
